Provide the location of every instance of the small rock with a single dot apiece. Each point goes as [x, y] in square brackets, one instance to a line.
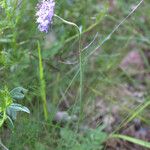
[63, 116]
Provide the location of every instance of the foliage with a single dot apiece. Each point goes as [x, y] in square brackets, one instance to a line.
[91, 140]
[8, 107]
[63, 70]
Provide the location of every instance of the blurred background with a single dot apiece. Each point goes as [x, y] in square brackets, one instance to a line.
[115, 74]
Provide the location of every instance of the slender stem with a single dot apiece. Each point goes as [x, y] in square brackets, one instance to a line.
[3, 118]
[68, 22]
[81, 80]
[80, 62]
[3, 146]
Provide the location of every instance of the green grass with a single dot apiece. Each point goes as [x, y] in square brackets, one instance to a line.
[42, 84]
[133, 140]
[71, 69]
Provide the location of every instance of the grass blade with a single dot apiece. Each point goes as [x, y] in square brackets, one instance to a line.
[42, 83]
[132, 140]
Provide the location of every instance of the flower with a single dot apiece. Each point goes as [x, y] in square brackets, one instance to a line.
[45, 13]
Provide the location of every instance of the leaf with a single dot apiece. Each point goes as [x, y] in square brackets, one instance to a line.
[5, 40]
[11, 113]
[11, 125]
[18, 107]
[132, 140]
[18, 93]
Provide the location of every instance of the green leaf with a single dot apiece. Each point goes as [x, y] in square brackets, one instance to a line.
[18, 107]
[10, 122]
[11, 113]
[132, 140]
[18, 93]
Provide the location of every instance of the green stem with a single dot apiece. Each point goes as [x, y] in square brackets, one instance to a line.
[3, 146]
[81, 79]
[80, 60]
[68, 22]
[3, 118]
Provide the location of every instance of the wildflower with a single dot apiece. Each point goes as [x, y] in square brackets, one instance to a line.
[45, 13]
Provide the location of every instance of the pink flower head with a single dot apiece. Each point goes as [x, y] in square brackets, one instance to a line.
[45, 13]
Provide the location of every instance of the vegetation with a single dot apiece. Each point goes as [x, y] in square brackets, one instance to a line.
[85, 83]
